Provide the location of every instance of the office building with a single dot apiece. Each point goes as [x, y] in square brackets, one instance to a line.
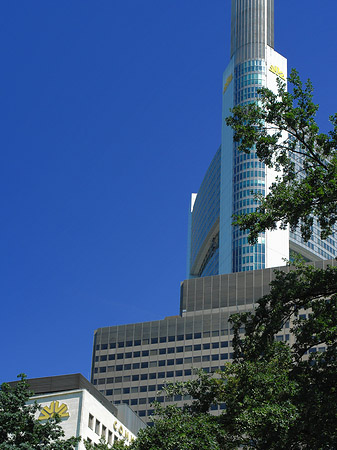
[83, 410]
[234, 178]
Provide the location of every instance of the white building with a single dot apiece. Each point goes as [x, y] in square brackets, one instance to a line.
[84, 411]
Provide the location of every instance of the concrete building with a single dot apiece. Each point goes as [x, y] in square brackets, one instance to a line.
[132, 362]
[83, 410]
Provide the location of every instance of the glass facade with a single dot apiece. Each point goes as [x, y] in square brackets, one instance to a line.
[248, 172]
[204, 223]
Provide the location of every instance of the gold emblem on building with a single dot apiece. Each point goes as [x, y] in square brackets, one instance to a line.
[54, 409]
[228, 81]
[277, 71]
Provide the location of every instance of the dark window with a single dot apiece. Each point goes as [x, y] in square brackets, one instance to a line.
[104, 346]
[134, 401]
[143, 389]
[224, 356]
[145, 353]
[136, 354]
[224, 344]
[127, 366]
[154, 341]
[101, 381]
[120, 355]
[102, 369]
[112, 344]
[171, 338]
[103, 358]
[142, 401]
[141, 413]
[170, 362]
[189, 336]
[126, 390]
[179, 349]
[152, 387]
[177, 398]
[206, 358]
[161, 374]
[215, 357]
[179, 361]
[170, 374]
[180, 337]
[151, 399]
[206, 346]
[162, 339]
[160, 387]
[109, 392]
[137, 342]
[128, 355]
[109, 380]
[128, 344]
[120, 344]
[197, 347]
[215, 345]
[96, 358]
[126, 402]
[118, 379]
[152, 376]
[97, 347]
[118, 368]
[135, 377]
[197, 335]
[144, 365]
[135, 365]
[143, 376]
[112, 357]
[170, 350]
[160, 399]
[161, 363]
[179, 373]
[162, 351]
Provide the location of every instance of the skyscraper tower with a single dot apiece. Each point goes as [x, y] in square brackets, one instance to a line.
[233, 178]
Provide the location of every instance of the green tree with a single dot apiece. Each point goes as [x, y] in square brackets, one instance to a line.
[19, 430]
[281, 127]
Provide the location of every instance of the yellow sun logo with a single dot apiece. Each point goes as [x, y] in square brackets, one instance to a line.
[54, 409]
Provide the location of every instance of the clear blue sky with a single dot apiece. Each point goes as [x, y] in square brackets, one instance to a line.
[110, 115]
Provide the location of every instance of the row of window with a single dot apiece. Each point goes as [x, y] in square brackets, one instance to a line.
[162, 339]
[248, 183]
[162, 375]
[161, 351]
[161, 363]
[150, 412]
[248, 193]
[103, 432]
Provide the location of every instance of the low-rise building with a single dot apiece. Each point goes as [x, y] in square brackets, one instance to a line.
[84, 411]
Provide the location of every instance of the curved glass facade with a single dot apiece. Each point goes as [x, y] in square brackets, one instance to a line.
[248, 172]
[204, 222]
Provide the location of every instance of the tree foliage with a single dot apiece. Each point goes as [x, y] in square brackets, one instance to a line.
[20, 430]
[281, 127]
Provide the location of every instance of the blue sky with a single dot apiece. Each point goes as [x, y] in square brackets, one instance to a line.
[110, 115]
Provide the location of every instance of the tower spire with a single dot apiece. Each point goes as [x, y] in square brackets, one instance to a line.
[252, 28]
